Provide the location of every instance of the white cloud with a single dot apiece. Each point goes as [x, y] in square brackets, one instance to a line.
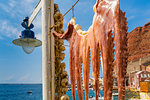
[11, 77]
[131, 17]
[39, 36]
[12, 3]
[6, 8]
[38, 22]
[24, 78]
[7, 29]
[16, 10]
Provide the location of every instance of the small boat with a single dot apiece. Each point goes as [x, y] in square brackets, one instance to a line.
[69, 89]
[29, 92]
[115, 94]
[99, 98]
[93, 98]
[102, 98]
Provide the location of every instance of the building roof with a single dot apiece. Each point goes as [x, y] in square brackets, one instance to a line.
[139, 72]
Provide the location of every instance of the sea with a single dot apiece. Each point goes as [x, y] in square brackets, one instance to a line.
[20, 92]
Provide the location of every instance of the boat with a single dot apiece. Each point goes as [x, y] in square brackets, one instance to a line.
[69, 89]
[93, 98]
[29, 92]
[99, 98]
[102, 98]
[114, 94]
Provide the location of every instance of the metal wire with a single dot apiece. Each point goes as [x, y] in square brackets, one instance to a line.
[51, 27]
[71, 8]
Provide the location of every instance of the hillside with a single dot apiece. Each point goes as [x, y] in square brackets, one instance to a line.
[139, 42]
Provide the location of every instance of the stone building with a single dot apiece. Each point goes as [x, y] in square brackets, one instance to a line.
[137, 65]
[137, 77]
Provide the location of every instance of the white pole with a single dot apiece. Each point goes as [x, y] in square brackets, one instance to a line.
[48, 51]
[45, 65]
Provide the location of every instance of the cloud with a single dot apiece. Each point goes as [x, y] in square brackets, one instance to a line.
[38, 27]
[9, 78]
[39, 36]
[131, 17]
[12, 3]
[7, 29]
[7, 9]
[24, 78]
[15, 11]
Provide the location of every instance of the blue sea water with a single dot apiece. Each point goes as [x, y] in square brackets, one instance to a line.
[19, 92]
[91, 93]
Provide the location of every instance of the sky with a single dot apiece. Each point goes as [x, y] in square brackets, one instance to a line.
[18, 67]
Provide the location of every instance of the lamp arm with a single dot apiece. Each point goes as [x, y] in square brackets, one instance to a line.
[35, 13]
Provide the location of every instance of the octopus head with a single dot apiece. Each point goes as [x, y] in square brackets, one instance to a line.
[102, 6]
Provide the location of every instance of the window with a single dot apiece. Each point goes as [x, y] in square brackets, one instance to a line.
[148, 75]
[141, 76]
[145, 75]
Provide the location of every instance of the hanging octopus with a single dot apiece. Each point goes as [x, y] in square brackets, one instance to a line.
[108, 32]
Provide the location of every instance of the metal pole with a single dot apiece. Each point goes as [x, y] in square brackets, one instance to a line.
[48, 51]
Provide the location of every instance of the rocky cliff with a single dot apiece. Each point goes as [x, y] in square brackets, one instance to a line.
[139, 42]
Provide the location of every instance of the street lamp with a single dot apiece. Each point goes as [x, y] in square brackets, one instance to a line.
[28, 42]
[27, 39]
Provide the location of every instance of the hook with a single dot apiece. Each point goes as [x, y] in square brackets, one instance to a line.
[73, 12]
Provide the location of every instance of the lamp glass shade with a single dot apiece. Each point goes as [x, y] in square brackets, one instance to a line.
[28, 49]
[27, 44]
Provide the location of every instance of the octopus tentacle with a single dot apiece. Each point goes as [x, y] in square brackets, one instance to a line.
[72, 59]
[107, 56]
[121, 52]
[67, 35]
[94, 52]
[86, 67]
[78, 68]
[72, 71]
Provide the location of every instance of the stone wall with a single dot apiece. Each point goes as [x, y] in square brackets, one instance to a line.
[135, 65]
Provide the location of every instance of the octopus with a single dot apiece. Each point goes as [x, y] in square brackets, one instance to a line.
[106, 38]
